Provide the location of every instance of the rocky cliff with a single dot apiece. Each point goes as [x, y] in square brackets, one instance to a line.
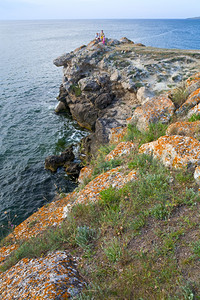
[132, 225]
[103, 84]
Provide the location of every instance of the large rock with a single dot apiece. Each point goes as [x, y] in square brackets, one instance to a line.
[54, 276]
[123, 148]
[193, 100]
[88, 84]
[185, 129]
[159, 109]
[53, 162]
[174, 151]
[194, 111]
[144, 95]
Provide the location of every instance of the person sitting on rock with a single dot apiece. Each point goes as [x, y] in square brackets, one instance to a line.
[102, 35]
[97, 37]
[104, 40]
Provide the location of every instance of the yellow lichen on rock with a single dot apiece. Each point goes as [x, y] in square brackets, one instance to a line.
[184, 129]
[121, 149]
[85, 173]
[174, 151]
[117, 134]
[159, 109]
[115, 178]
[192, 100]
[51, 277]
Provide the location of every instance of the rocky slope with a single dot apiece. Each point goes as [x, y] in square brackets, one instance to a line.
[133, 223]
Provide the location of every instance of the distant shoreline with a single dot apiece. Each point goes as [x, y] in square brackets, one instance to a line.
[195, 18]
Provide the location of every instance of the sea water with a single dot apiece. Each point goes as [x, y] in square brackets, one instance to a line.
[29, 85]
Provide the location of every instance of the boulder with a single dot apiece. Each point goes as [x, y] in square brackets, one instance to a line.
[115, 76]
[61, 107]
[88, 84]
[117, 134]
[192, 100]
[158, 109]
[144, 95]
[85, 174]
[194, 111]
[54, 276]
[53, 162]
[174, 151]
[124, 40]
[184, 129]
[123, 148]
[197, 175]
[103, 100]
[72, 169]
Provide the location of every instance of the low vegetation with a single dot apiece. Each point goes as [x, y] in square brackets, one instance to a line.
[180, 95]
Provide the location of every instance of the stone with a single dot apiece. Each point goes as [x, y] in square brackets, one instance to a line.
[115, 178]
[184, 129]
[103, 100]
[117, 134]
[61, 107]
[174, 151]
[192, 100]
[144, 95]
[54, 276]
[53, 162]
[88, 84]
[158, 109]
[197, 175]
[85, 174]
[128, 85]
[123, 148]
[194, 111]
[126, 41]
[115, 76]
[72, 169]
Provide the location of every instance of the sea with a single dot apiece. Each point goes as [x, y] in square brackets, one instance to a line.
[30, 130]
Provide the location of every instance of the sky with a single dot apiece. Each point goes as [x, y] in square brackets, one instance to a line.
[98, 9]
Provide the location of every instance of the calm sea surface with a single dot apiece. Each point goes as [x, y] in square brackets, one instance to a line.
[29, 85]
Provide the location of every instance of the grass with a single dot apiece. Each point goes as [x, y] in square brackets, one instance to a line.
[194, 118]
[155, 131]
[180, 95]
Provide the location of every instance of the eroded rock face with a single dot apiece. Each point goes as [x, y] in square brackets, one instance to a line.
[184, 129]
[159, 109]
[174, 151]
[52, 277]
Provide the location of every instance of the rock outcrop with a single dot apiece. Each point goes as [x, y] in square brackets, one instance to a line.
[102, 90]
[103, 83]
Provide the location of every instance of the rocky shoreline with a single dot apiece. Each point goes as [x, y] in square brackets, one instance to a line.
[108, 90]
[103, 84]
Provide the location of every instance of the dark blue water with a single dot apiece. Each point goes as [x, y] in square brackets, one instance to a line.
[29, 85]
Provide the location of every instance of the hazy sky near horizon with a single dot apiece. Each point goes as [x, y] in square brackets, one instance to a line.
[97, 9]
